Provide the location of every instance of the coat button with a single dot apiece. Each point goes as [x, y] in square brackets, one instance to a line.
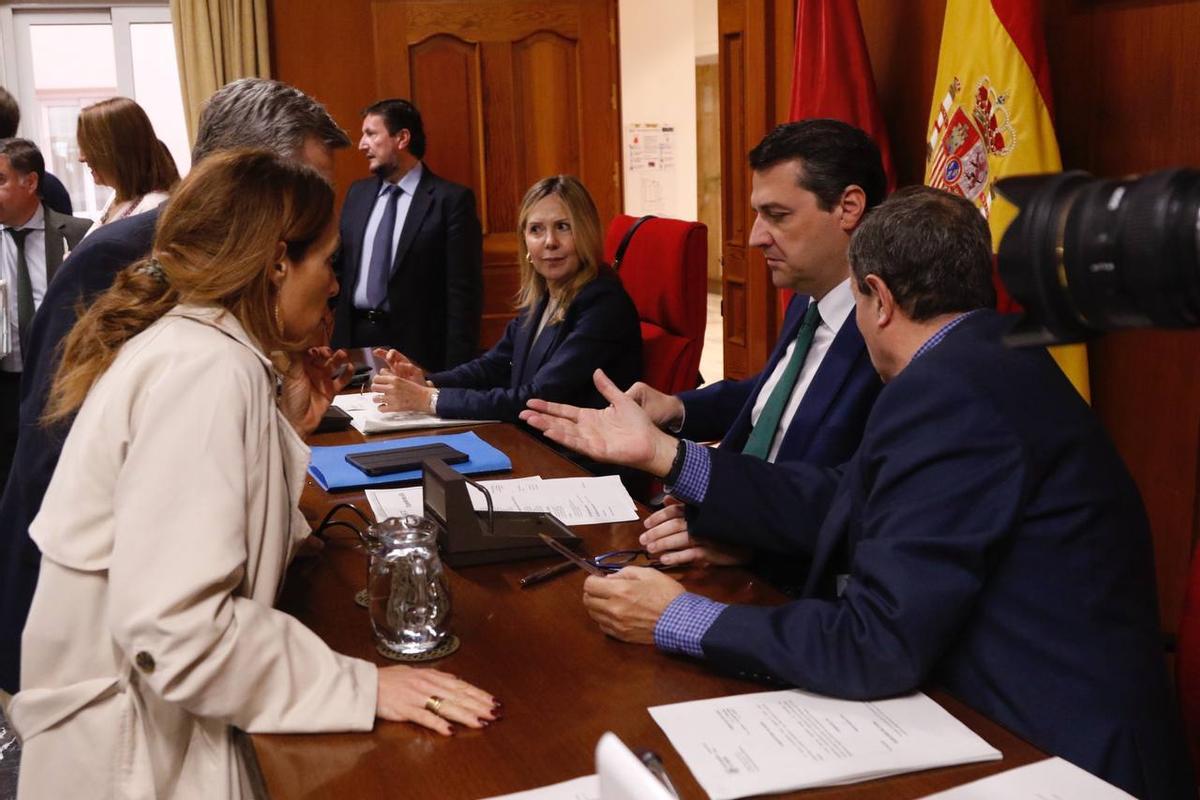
[145, 662]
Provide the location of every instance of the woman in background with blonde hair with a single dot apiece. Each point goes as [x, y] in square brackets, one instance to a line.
[574, 318]
[118, 143]
[172, 516]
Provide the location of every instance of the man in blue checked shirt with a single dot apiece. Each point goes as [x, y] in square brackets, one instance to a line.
[985, 538]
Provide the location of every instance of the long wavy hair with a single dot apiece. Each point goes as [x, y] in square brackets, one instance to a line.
[117, 139]
[216, 243]
[585, 227]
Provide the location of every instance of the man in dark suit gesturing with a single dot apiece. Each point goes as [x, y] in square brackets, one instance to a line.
[35, 238]
[411, 262]
[813, 183]
[985, 538]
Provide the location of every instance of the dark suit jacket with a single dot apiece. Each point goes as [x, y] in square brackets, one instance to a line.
[63, 233]
[829, 421]
[995, 545]
[436, 290]
[55, 196]
[600, 330]
[89, 270]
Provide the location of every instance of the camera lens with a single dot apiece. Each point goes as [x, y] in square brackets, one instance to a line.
[1087, 255]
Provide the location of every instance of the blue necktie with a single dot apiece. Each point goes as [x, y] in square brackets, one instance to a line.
[763, 434]
[379, 271]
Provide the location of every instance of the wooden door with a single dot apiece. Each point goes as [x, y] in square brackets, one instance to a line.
[510, 92]
[754, 57]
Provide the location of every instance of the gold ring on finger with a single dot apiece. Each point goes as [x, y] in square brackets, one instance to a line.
[434, 703]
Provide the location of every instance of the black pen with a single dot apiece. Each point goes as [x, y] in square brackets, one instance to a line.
[546, 574]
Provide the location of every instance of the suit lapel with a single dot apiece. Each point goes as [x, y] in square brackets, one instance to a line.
[349, 276]
[826, 384]
[735, 438]
[542, 347]
[525, 330]
[55, 238]
[421, 202]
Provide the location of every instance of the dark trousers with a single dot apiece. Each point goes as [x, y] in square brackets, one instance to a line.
[365, 332]
[10, 410]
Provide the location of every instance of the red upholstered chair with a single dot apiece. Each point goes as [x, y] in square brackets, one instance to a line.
[664, 269]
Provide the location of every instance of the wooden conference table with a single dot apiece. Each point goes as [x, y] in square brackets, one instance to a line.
[563, 683]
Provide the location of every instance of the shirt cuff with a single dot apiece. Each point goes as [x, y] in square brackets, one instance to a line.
[678, 427]
[683, 624]
[692, 485]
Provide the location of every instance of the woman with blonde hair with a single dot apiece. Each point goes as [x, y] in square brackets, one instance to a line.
[574, 317]
[118, 143]
[172, 516]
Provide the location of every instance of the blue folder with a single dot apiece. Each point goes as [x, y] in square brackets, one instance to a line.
[331, 470]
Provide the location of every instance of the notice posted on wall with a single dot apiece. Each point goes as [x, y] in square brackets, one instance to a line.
[650, 168]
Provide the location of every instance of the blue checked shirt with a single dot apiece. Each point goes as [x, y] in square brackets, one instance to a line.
[683, 624]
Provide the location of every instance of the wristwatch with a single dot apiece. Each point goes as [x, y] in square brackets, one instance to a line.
[433, 402]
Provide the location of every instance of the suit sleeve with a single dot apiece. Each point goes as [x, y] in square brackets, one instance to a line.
[606, 327]
[493, 368]
[181, 556]
[777, 507]
[943, 481]
[710, 412]
[464, 279]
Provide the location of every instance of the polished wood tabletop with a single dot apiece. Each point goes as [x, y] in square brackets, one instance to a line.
[563, 682]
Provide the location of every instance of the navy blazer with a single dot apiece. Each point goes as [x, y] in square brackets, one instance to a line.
[435, 294]
[89, 270]
[989, 540]
[827, 425]
[599, 330]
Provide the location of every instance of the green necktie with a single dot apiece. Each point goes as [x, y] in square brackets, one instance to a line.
[759, 442]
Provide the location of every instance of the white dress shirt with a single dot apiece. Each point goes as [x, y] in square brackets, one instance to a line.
[408, 186]
[35, 260]
[834, 307]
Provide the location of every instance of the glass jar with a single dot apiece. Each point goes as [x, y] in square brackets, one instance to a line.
[409, 599]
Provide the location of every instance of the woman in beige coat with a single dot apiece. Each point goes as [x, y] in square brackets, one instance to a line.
[172, 516]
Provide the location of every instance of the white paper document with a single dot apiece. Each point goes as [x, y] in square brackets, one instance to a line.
[575, 501]
[586, 788]
[366, 417]
[1052, 779]
[771, 742]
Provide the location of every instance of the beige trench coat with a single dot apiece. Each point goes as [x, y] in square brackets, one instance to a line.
[165, 535]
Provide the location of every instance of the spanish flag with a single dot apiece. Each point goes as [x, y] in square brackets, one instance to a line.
[992, 117]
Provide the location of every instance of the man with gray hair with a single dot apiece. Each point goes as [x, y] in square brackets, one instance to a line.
[251, 112]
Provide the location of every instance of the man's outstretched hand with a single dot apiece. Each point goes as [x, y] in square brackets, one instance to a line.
[621, 434]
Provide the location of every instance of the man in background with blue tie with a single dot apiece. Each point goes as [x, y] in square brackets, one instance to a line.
[813, 183]
[34, 241]
[411, 263]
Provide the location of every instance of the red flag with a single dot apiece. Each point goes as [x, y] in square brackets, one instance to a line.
[832, 78]
[831, 73]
